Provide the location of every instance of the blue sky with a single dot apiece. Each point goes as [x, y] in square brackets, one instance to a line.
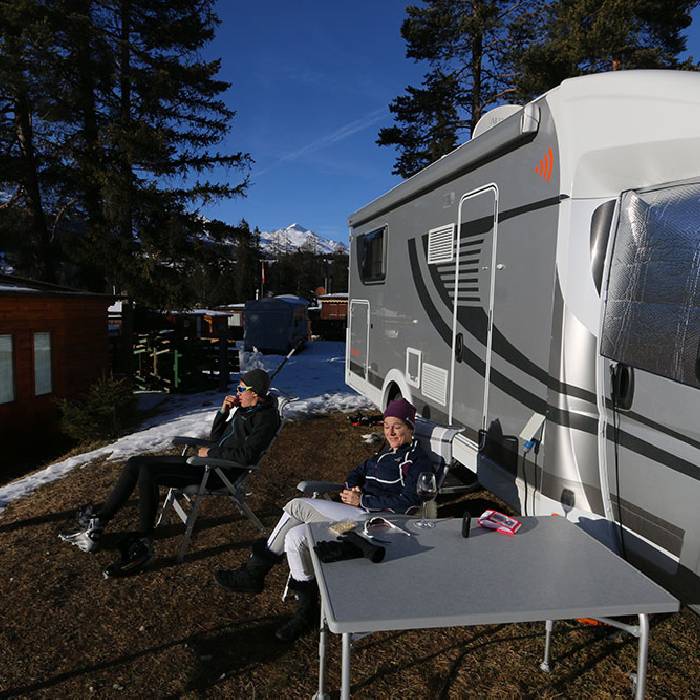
[312, 81]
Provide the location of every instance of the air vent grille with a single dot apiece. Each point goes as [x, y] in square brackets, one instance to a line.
[434, 383]
[441, 244]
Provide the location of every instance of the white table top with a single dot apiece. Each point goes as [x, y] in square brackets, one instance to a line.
[550, 570]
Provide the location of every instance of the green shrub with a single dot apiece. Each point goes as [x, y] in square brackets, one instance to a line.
[104, 412]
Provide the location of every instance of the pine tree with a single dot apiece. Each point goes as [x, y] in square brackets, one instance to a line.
[129, 117]
[591, 36]
[247, 269]
[467, 45]
[429, 124]
[25, 151]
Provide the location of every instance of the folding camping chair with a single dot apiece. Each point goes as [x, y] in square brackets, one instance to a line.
[186, 501]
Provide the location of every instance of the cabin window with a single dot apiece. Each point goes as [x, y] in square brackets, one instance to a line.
[652, 312]
[371, 256]
[7, 378]
[42, 364]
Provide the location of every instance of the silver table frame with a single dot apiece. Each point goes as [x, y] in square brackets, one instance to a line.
[636, 594]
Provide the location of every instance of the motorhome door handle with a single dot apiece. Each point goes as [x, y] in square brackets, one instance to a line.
[459, 347]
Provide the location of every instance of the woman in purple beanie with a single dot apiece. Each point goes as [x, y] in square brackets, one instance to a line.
[385, 482]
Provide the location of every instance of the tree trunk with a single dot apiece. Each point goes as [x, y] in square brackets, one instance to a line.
[125, 166]
[92, 160]
[477, 46]
[30, 178]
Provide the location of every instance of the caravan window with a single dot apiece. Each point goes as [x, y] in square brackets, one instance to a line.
[371, 256]
[652, 312]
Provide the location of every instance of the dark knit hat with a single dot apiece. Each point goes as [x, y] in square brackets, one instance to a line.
[258, 380]
[400, 408]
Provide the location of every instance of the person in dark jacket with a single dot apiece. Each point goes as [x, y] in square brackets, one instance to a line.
[385, 482]
[240, 438]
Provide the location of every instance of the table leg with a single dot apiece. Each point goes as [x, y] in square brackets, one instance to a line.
[321, 693]
[548, 625]
[345, 686]
[642, 656]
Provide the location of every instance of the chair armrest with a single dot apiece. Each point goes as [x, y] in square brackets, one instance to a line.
[191, 441]
[216, 462]
[319, 487]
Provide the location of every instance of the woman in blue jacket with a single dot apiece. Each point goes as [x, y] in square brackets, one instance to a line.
[385, 482]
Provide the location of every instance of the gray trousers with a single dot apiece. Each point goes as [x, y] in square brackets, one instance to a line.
[289, 535]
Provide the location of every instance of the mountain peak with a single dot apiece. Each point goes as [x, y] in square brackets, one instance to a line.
[294, 237]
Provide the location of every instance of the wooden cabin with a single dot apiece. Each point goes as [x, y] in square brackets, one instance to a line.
[332, 316]
[53, 344]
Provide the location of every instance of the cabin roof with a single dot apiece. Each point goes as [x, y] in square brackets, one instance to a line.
[11, 285]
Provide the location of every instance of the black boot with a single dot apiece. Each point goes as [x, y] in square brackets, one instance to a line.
[307, 613]
[249, 577]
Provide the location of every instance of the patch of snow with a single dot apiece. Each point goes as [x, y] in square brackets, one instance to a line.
[315, 376]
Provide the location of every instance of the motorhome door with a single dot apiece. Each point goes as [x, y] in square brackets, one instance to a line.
[473, 305]
[650, 372]
[359, 337]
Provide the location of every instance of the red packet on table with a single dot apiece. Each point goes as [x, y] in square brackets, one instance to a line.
[502, 524]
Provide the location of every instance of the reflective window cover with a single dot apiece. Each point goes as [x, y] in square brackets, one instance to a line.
[652, 314]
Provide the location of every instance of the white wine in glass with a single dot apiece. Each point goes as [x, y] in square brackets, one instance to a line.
[426, 488]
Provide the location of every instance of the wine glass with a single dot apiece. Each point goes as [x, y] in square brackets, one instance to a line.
[426, 488]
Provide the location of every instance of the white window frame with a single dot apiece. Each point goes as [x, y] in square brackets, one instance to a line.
[7, 375]
[41, 386]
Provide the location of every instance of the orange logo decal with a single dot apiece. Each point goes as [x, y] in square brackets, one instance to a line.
[546, 165]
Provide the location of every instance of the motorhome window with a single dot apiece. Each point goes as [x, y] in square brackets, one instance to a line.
[652, 312]
[370, 255]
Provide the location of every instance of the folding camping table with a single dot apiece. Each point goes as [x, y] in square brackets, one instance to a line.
[551, 570]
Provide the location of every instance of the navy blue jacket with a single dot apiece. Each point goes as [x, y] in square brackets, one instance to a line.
[388, 479]
[247, 435]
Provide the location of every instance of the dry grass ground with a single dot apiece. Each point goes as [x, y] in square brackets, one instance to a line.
[171, 632]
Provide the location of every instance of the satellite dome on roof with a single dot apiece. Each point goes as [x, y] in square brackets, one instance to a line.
[493, 117]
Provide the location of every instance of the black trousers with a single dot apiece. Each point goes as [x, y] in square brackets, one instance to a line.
[149, 472]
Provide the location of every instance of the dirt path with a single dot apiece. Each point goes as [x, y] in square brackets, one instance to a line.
[172, 632]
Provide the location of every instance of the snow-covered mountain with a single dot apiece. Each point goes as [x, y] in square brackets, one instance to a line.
[293, 237]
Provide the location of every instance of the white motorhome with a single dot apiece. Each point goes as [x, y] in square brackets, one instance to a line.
[539, 289]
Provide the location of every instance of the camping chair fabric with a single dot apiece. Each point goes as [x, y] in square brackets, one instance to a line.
[436, 441]
[187, 501]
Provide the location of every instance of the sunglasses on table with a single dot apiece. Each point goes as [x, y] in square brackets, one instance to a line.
[381, 526]
[242, 389]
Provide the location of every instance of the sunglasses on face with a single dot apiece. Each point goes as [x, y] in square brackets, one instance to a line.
[242, 389]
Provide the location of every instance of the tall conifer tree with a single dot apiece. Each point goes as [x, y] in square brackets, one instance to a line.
[466, 44]
[592, 36]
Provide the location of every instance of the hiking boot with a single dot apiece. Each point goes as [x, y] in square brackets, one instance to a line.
[306, 617]
[134, 559]
[87, 539]
[249, 577]
[85, 514]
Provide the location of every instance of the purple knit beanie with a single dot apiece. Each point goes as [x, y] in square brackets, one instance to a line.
[400, 408]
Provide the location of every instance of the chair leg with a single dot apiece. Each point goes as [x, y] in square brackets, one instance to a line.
[245, 510]
[189, 528]
[237, 495]
[168, 501]
[192, 517]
